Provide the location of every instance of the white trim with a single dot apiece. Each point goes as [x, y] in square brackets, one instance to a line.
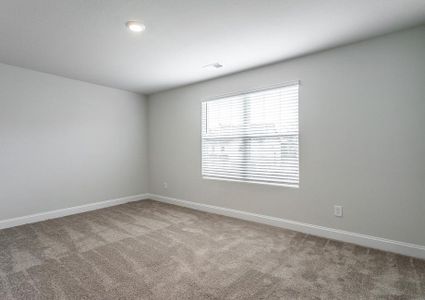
[403, 248]
[68, 211]
[295, 186]
[254, 90]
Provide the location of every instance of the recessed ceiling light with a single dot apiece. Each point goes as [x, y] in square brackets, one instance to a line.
[215, 65]
[135, 26]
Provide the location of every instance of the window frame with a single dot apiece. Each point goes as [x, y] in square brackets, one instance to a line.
[241, 137]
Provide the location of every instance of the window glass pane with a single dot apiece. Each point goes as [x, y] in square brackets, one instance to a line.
[224, 116]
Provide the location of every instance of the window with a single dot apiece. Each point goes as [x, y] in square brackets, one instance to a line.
[252, 137]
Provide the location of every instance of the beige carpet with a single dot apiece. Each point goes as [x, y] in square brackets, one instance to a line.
[150, 250]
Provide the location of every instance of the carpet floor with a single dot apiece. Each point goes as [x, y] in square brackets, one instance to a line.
[151, 250]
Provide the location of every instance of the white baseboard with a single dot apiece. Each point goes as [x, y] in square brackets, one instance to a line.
[68, 211]
[403, 248]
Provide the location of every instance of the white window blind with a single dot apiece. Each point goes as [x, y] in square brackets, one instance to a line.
[252, 137]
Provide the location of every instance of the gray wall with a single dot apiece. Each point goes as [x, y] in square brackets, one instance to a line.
[65, 143]
[362, 140]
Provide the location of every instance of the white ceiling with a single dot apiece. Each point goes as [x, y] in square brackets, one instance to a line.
[87, 40]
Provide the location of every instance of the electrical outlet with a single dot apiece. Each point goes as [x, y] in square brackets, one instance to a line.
[165, 185]
[338, 210]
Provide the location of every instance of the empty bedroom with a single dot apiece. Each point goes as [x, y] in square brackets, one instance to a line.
[212, 149]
